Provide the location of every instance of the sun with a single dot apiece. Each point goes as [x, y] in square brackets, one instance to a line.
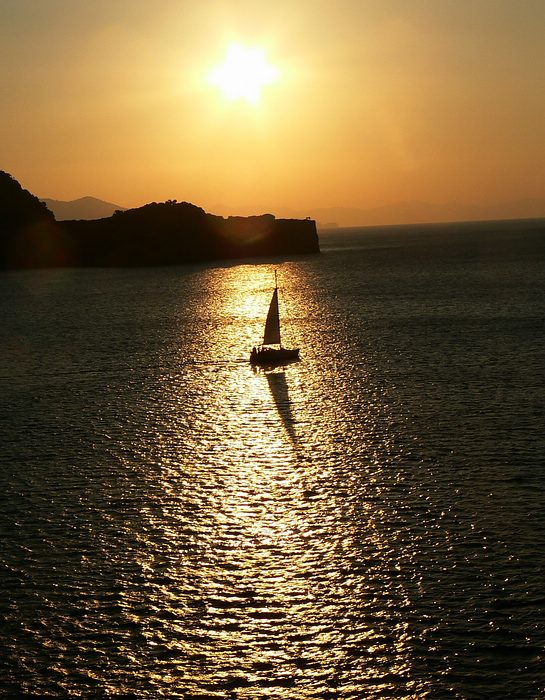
[243, 73]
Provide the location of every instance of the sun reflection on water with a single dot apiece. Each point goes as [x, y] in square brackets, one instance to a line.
[257, 522]
[176, 524]
[241, 535]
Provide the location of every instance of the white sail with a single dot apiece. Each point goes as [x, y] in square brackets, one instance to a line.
[272, 324]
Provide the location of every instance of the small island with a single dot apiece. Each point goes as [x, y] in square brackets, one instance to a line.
[165, 233]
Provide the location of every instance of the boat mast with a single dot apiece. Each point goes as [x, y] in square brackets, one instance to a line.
[271, 335]
[277, 309]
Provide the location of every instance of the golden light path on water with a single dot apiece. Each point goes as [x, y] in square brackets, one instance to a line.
[277, 579]
[365, 523]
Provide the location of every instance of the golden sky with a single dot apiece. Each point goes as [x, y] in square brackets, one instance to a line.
[372, 102]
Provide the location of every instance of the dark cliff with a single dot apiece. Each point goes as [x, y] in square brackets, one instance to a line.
[166, 233]
[27, 228]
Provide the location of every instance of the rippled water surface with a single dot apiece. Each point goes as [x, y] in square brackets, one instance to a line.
[366, 523]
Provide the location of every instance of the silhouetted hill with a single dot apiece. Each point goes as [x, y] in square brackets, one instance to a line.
[83, 208]
[165, 233]
[28, 231]
[18, 206]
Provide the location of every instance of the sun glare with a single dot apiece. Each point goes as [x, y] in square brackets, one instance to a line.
[243, 73]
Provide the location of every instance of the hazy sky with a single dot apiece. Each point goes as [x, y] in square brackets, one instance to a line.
[375, 101]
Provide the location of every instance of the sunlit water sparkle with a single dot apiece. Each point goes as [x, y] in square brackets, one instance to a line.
[365, 523]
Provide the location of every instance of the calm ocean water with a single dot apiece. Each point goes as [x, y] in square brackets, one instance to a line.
[366, 523]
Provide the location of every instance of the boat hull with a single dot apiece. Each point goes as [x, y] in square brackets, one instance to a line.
[273, 356]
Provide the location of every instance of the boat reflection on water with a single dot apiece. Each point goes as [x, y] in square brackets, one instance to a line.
[278, 386]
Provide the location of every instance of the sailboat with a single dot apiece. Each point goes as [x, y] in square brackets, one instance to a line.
[271, 352]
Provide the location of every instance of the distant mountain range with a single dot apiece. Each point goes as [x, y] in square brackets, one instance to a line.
[425, 212]
[397, 213]
[83, 208]
[411, 213]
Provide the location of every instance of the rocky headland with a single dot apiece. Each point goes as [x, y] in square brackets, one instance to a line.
[165, 233]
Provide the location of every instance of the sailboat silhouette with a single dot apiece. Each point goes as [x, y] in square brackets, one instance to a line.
[267, 353]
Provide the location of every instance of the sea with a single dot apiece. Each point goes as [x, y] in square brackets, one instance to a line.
[368, 522]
